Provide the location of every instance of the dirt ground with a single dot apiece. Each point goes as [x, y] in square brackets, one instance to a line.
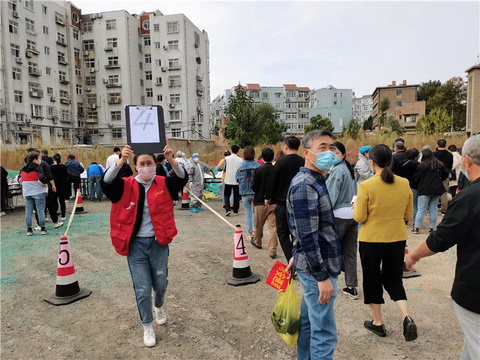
[207, 319]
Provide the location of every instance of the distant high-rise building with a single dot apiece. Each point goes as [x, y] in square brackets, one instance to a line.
[473, 100]
[333, 103]
[362, 108]
[68, 76]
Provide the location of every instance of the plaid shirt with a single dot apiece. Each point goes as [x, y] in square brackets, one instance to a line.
[316, 248]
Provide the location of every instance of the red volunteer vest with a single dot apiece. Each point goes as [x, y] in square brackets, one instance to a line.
[124, 214]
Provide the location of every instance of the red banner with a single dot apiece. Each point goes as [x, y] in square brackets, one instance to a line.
[278, 277]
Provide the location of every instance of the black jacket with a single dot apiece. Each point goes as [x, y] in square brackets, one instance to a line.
[261, 181]
[445, 157]
[407, 171]
[430, 181]
[398, 159]
[47, 159]
[284, 171]
[60, 176]
[461, 227]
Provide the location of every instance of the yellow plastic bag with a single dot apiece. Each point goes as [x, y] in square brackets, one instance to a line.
[285, 317]
[208, 195]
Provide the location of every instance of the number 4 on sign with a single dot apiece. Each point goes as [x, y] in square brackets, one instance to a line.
[240, 253]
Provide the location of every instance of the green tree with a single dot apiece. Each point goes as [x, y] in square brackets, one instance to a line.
[368, 124]
[393, 126]
[320, 123]
[271, 129]
[452, 97]
[427, 90]
[438, 121]
[384, 106]
[353, 128]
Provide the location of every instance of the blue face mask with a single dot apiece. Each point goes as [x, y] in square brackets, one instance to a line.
[337, 161]
[325, 160]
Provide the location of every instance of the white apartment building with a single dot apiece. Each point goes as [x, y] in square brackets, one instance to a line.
[362, 108]
[67, 77]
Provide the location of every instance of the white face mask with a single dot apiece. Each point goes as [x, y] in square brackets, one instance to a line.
[39, 161]
[196, 160]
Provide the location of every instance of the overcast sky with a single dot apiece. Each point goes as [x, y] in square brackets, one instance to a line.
[354, 45]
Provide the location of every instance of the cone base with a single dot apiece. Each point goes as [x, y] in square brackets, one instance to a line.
[252, 279]
[185, 208]
[80, 211]
[55, 300]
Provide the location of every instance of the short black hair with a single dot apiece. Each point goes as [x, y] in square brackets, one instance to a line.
[137, 155]
[235, 149]
[29, 150]
[58, 158]
[442, 143]
[116, 149]
[249, 153]
[44, 151]
[71, 157]
[160, 158]
[292, 142]
[452, 148]
[412, 153]
[268, 154]
[32, 155]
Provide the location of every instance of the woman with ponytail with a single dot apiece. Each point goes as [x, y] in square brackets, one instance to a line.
[342, 187]
[383, 205]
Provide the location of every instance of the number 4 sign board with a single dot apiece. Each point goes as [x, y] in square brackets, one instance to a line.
[145, 129]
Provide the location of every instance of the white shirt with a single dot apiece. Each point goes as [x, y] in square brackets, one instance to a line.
[112, 160]
[233, 163]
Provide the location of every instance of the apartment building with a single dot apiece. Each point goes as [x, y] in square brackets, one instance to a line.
[333, 103]
[403, 104]
[362, 108]
[68, 76]
[473, 100]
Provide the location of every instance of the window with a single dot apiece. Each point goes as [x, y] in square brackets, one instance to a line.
[78, 88]
[278, 95]
[399, 103]
[175, 115]
[32, 67]
[174, 63]
[140, 65]
[48, 70]
[158, 80]
[88, 45]
[87, 27]
[329, 115]
[76, 34]
[157, 44]
[399, 92]
[156, 27]
[334, 94]
[90, 81]
[290, 115]
[30, 25]
[45, 30]
[11, 5]
[91, 99]
[196, 38]
[265, 95]
[174, 81]
[78, 71]
[62, 76]
[64, 94]
[149, 92]
[146, 40]
[90, 63]
[148, 58]
[60, 38]
[176, 132]
[291, 94]
[117, 133]
[111, 24]
[334, 103]
[113, 61]
[112, 42]
[116, 115]
[49, 91]
[15, 50]
[148, 75]
[172, 27]
[44, 9]
[32, 45]
[18, 96]
[113, 79]
[65, 115]
[29, 5]
[76, 53]
[140, 48]
[20, 117]
[13, 27]
[141, 82]
[17, 73]
[175, 98]
[37, 110]
[158, 62]
[159, 98]
[414, 118]
[173, 45]
[46, 49]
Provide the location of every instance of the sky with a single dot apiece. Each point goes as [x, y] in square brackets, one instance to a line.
[352, 45]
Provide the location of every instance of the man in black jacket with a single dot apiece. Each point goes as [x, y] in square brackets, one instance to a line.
[284, 171]
[398, 158]
[461, 227]
[446, 158]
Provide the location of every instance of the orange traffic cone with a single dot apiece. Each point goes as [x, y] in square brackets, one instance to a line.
[242, 275]
[67, 289]
[407, 273]
[185, 200]
[79, 209]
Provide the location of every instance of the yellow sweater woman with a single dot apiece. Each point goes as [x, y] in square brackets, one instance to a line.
[384, 204]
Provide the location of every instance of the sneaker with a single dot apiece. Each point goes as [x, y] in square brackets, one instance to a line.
[194, 210]
[409, 329]
[351, 292]
[44, 231]
[47, 219]
[149, 338]
[57, 225]
[63, 218]
[228, 213]
[377, 330]
[37, 228]
[3, 213]
[273, 256]
[200, 208]
[160, 316]
[252, 240]
[416, 230]
[29, 231]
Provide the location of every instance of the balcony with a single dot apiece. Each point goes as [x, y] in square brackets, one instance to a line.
[65, 100]
[62, 61]
[92, 106]
[108, 48]
[91, 121]
[115, 100]
[30, 52]
[64, 81]
[36, 93]
[59, 20]
[62, 43]
[31, 32]
[174, 67]
[113, 85]
[34, 72]
[112, 66]
[66, 120]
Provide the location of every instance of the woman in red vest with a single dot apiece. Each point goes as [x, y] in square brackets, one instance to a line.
[141, 227]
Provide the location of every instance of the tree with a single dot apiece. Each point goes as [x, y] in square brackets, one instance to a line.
[393, 126]
[427, 90]
[437, 121]
[384, 106]
[368, 124]
[452, 97]
[352, 130]
[271, 129]
[320, 123]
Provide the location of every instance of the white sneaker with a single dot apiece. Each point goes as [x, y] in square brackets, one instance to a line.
[37, 228]
[63, 218]
[57, 225]
[160, 316]
[3, 213]
[149, 338]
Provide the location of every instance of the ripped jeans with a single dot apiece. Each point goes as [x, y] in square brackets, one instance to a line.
[148, 264]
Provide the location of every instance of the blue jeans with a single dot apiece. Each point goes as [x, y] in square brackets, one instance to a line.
[148, 264]
[427, 202]
[39, 202]
[94, 181]
[247, 201]
[415, 203]
[318, 331]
